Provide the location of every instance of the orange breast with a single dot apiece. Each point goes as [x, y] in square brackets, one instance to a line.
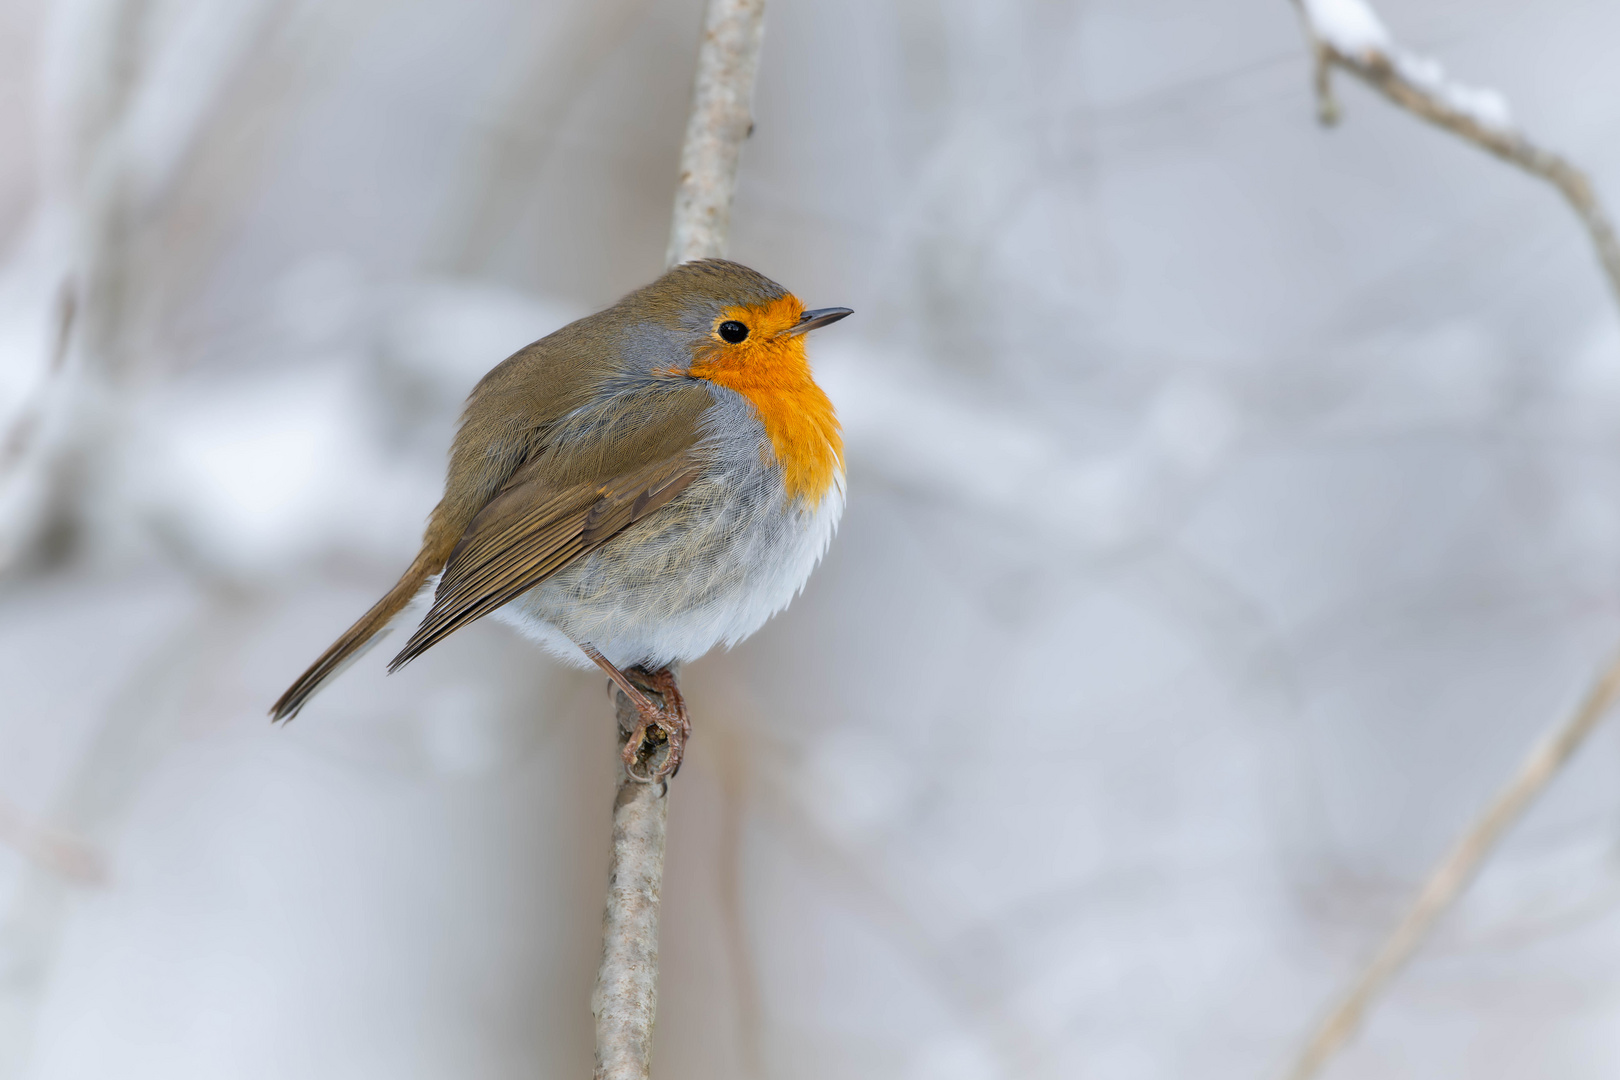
[771, 370]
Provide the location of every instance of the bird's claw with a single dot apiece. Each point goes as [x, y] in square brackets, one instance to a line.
[653, 752]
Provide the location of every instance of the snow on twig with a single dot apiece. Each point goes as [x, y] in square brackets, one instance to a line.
[1352, 29]
[1348, 35]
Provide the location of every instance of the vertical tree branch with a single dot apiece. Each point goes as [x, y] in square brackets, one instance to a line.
[721, 118]
[626, 998]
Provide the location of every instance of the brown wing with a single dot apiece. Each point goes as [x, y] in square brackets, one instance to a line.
[531, 530]
[545, 460]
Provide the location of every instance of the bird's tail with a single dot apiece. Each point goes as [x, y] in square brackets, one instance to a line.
[359, 638]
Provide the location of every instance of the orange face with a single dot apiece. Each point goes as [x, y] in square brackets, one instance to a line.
[754, 350]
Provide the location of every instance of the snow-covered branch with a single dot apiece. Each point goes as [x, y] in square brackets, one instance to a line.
[1349, 35]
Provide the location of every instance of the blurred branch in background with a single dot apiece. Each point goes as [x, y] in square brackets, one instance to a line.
[153, 142]
[1454, 872]
[24, 429]
[135, 194]
[1348, 35]
[626, 997]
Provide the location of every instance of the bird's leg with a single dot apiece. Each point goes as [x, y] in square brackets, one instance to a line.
[669, 718]
[673, 723]
[621, 680]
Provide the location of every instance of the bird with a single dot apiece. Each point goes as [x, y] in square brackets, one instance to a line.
[631, 491]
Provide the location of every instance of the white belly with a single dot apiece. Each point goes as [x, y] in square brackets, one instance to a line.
[708, 569]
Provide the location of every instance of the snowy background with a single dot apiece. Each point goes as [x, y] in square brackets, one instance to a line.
[1232, 504]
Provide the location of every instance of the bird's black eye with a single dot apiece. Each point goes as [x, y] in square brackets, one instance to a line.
[733, 331]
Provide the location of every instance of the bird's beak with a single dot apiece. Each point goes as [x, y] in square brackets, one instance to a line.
[819, 317]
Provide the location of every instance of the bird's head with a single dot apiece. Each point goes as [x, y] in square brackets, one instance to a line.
[738, 328]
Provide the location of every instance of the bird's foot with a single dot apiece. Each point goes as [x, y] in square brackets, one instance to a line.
[656, 742]
[655, 746]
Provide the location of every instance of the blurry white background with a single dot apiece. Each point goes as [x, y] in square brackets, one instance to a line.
[1231, 504]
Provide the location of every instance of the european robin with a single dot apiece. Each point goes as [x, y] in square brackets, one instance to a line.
[632, 490]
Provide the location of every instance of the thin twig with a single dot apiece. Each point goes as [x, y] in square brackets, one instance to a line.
[25, 426]
[1386, 74]
[626, 998]
[1389, 73]
[1459, 866]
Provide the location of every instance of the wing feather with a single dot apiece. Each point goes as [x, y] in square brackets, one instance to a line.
[530, 531]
